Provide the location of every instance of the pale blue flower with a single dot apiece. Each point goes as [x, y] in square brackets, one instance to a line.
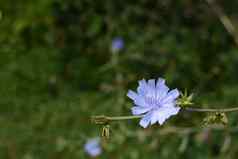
[93, 147]
[154, 101]
[117, 44]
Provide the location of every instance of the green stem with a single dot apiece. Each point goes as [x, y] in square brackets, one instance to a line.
[211, 110]
[106, 119]
[124, 117]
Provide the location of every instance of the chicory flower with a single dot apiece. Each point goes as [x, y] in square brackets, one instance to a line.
[93, 147]
[117, 44]
[154, 101]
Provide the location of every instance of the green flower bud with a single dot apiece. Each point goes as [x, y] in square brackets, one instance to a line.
[185, 99]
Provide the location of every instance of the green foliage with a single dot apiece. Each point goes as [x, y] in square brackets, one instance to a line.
[56, 70]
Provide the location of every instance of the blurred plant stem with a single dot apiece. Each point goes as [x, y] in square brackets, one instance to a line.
[119, 81]
[225, 20]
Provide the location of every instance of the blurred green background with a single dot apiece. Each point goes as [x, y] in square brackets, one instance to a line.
[57, 69]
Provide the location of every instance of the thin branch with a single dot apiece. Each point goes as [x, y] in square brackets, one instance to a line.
[211, 110]
[225, 20]
[124, 117]
[102, 119]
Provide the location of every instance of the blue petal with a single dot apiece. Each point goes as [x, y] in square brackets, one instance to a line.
[169, 104]
[171, 96]
[145, 121]
[139, 110]
[161, 89]
[142, 88]
[151, 83]
[138, 100]
[160, 81]
[131, 94]
[165, 113]
[151, 89]
[155, 116]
